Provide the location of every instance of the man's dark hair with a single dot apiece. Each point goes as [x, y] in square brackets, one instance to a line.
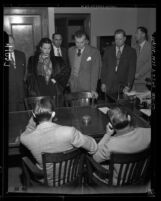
[43, 109]
[120, 31]
[144, 30]
[80, 33]
[118, 118]
[56, 33]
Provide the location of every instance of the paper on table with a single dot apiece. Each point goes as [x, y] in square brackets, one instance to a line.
[104, 109]
[146, 111]
[138, 93]
[131, 93]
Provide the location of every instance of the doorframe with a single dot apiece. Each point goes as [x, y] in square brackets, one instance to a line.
[73, 16]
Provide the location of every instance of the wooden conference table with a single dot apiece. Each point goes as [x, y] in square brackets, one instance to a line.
[66, 116]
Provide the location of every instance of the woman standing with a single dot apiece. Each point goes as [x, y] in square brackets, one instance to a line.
[47, 76]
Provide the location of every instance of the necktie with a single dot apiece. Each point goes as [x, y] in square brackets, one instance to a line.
[118, 59]
[58, 52]
[139, 49]
[79, 52]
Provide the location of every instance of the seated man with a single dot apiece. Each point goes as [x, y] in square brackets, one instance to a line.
[42, 135]
[121, 136]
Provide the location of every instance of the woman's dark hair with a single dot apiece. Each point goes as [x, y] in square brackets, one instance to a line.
[42, 41]
[38, 52]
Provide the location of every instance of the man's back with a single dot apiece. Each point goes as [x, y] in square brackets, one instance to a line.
[48, 137]
[131, 142]
[51, 137]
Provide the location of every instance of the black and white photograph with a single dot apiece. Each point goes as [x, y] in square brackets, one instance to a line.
[79, 100]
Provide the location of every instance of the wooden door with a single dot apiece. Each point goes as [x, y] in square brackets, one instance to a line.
[28, 26]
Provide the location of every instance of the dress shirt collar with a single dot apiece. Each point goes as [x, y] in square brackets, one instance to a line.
[12, 54]
[55, 50]
[142, 44]
[121, 48]
[45, 124]
[80, 49]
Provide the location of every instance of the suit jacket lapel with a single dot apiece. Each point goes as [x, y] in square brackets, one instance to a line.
[124, 51]
[84, 56]
[62, 51]
[72, 56]
[144, 48]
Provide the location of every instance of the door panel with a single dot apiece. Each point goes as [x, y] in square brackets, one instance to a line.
[26, 31]
[22, 43]
[28, 25]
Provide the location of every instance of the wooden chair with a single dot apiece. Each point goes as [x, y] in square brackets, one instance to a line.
[124, 169]
[31, 101]
[79, 99]
[66, 169]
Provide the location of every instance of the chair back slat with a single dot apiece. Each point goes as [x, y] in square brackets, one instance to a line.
[59, 172]
[54, 175]
[125, 173]
[66, 166]
[65, 173]
[131, 170]
[120, 174]
[45, 171]
[137, 172]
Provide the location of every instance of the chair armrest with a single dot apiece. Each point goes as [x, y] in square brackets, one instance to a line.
[101, 171]
[32, 167]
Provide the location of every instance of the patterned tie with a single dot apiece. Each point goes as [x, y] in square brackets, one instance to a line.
[118, 58]
[58, 52]
[79, 52]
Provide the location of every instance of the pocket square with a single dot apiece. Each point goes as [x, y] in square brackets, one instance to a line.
[89, 59]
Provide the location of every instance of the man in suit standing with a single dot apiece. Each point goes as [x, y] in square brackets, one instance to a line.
[17, 74]
[143, 67]
[119, 65]
[85, 62]
[58, 50]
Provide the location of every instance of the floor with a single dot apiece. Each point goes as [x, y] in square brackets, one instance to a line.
[15, 185]
[14, 178]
